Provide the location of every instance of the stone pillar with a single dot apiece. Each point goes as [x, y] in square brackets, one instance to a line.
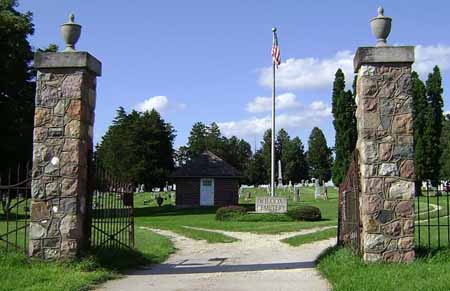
[62, 148]
[385, 146]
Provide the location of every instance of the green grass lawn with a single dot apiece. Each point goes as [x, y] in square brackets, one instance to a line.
[170, 218]
[348, 272]
[20, 273]
[310, 237]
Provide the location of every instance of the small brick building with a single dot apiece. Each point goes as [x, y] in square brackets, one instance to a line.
[206, 181]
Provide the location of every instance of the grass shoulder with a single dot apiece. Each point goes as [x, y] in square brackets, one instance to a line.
[348, 272]
[18, 272]
[310, 237]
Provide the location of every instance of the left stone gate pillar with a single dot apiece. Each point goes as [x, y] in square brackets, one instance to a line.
[62, 148]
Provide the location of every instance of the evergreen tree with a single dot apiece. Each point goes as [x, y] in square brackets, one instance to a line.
[294, 160]
[435, 123]
[237, 152]
[257, 172]
[214, 139]
[138, 147]
[197, 141]
[266, 150]
[420, 115]
[319, 156]
[445, 148]
[344, 122]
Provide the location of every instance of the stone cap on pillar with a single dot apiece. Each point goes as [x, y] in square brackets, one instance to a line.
[386, 54]
[67, 60]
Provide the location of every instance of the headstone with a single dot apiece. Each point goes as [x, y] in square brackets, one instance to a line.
[316, 189]
[248, 196]
[269, 204]
[325, 191]
[297, 195]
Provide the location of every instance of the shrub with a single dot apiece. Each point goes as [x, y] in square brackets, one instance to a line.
[230, 212]
[307, 213]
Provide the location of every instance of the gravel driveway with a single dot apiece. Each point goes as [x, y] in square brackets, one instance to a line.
[256, 262]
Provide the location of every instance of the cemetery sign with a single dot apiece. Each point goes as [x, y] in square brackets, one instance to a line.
[269, 204]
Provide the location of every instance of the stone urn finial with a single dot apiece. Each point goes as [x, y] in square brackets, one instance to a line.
[381, 27]
[70, 32]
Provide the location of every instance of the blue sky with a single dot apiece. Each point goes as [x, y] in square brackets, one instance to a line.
[208, 60]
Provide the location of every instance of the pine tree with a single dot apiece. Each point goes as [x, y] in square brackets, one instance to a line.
[266, 150]
[138, 147]
[319, 156]
[257, 173]
[345, 125]
[197, 141]
[434, 94]
[445, 148]
[283, 152]
[294, 160]
[420, 115]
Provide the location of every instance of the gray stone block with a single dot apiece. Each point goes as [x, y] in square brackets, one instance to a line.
[68, 60]
[388, 54]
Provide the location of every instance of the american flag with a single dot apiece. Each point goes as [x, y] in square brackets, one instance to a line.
[276, 50]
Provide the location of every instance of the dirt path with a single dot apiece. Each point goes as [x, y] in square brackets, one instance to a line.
[255, 262]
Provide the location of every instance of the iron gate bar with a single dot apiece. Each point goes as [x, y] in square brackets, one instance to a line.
[434, 225]
[112, 223]
[448, 214]
[419, 192]
[428, 215]
[438, 219]
[13, 196]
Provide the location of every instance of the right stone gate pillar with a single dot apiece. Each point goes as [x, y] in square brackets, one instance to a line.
[385, 146]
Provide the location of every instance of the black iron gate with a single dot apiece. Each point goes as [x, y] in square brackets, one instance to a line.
[432, 221]
[15, 194]
[349, 227]
[111, 204]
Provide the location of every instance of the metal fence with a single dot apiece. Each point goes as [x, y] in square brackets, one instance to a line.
[349, 227]
[15, 194]
[112, 217]
[432, 221]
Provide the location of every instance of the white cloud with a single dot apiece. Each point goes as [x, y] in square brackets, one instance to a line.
[264, 104]
[318, 73]
[305, 116]
[309, 73]
[160, 104]
[429, 56]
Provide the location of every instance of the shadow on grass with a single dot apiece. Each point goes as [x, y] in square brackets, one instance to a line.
[118, 259]
[426, 253]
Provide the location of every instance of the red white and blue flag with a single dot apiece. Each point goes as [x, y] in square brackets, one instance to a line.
[276, 57]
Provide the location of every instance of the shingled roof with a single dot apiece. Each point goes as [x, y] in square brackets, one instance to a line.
[207, 165]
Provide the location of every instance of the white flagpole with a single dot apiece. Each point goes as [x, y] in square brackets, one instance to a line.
[272, 172]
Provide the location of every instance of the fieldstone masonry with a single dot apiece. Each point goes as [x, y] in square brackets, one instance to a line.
[62, 147]
[385, 145]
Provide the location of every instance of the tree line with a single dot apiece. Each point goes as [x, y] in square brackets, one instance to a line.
[296, 164]
[431, 128]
